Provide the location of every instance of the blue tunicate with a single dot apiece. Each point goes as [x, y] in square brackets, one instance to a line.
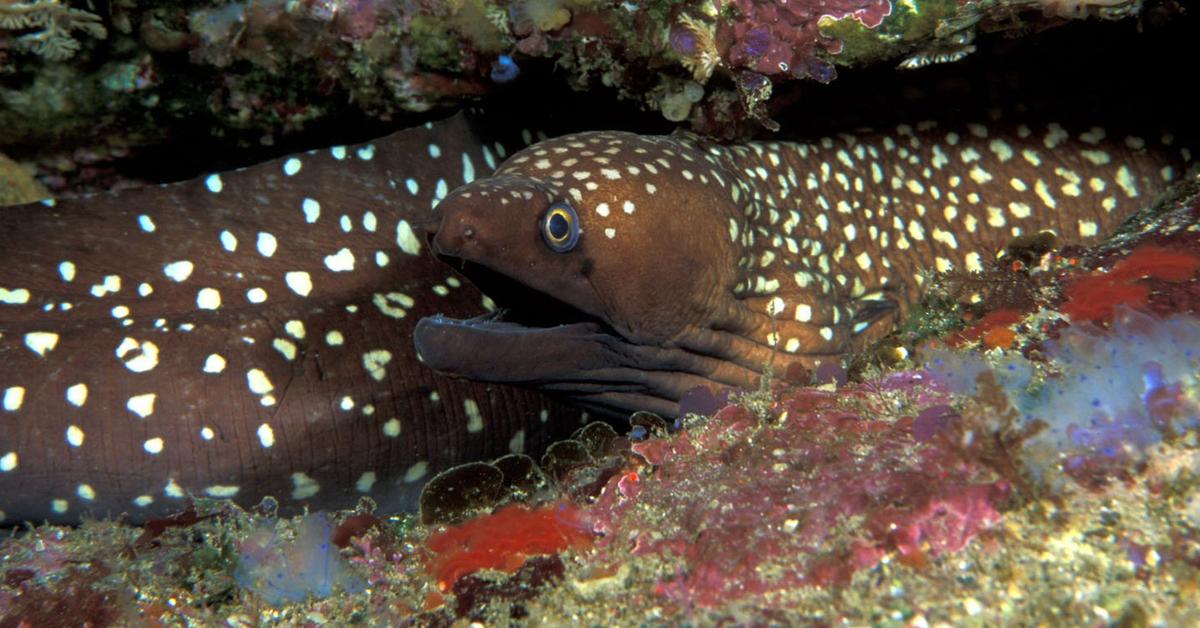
[308, 565]
[817, 70]
[504, 69]
[1102, 397]
[1152, 379]
[683, 41]
[757, 41]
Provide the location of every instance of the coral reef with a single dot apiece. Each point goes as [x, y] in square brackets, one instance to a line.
[1044, 468]
[254, 71]
[834, 492]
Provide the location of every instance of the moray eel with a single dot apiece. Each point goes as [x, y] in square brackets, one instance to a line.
[245, 334]
[632, 269]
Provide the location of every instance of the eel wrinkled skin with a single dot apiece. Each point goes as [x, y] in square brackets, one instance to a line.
[246, 334]
[632, 269]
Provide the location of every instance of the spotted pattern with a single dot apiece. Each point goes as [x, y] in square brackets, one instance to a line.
[921, 197]
[792, 251]
[254, 341]
[839, 220]
[243, 334]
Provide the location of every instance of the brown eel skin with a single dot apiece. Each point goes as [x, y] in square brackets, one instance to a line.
[246, 334]
[632, 269]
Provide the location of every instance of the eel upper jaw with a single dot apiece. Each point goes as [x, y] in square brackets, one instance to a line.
[535, 340]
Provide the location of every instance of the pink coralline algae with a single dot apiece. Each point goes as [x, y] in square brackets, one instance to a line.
[748, 508]
[775, 37]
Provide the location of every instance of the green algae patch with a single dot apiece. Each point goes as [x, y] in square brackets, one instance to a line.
[434, 50]
[17, 185]
[911, 22]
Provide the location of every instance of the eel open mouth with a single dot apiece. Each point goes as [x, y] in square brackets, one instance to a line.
[517, 302]
[535, 340]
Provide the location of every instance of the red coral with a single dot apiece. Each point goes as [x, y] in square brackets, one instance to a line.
[1156, 262]
[999, 338]
[154, 528]
[944, 524]
[1093, 297]
[354, 527]
[504, 539]
[986, 328]
[77, 599]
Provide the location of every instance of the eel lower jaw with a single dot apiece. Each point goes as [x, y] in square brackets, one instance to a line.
[522, 341]
[580, 362]
[537, 341]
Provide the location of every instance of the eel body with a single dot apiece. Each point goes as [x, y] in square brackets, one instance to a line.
[252, 333]
[636, 268]
[245, 334]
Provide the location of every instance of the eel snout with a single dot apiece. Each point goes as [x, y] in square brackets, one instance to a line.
[453, 235]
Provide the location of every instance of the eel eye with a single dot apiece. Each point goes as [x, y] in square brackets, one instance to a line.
[560, 227]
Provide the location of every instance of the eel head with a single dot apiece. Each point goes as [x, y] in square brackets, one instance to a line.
[614, 261]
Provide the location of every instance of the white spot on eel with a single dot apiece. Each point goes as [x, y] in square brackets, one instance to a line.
[266, 244]
[179, 271]
[300, 282]
[375, 362]
[406, 238]
[141, 405]
[340, 262]
[214, 364]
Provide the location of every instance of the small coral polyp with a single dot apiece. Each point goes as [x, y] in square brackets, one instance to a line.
[50, 28]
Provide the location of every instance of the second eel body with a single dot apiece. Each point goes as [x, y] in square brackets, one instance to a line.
[246, 334]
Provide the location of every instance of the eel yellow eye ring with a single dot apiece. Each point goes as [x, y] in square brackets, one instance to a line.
[560, 227]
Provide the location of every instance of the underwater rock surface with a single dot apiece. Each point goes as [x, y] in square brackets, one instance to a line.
[83, 86]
